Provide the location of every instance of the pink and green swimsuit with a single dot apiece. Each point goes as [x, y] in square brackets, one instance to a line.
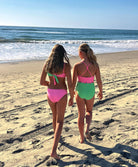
[56, 95]
[85, 86]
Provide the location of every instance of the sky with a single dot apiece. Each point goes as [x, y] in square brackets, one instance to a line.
[100, 14]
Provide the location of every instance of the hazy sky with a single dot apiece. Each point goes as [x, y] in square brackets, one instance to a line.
[110, 14]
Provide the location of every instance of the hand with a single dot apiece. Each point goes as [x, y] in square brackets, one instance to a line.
[100, 95]
[70, 103]
[46, 83]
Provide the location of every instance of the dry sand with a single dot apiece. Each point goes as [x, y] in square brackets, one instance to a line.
[26, 134]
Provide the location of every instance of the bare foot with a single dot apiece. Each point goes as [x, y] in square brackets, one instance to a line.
[54, 155]
[81, 140]
[88, 136]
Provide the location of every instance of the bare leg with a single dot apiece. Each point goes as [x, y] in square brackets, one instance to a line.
[81, 116]
[89, 107]
[54, 112]
[88, 120]
[60, 109]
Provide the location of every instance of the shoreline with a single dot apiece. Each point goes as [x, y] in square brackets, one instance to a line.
[34, 60]
[37, 65]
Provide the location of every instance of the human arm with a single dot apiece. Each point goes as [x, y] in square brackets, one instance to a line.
[74, 76]
[99, 83]
[43, 77]
[69, 82]
[74, 79]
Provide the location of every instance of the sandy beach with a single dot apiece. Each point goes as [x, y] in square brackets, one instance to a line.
[26, 134]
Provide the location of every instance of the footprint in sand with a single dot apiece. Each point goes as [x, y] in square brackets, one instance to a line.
[23, 125]
[105, 109]
[51, 161]
[2, 164]
[108, 121]
[18, 106]
[11, 118]
[109, 109]
[38, 110]
[35, 141]
[11, 140]
[38, 125]
[7, 95]
[97, 134]
[10, 131]
[28, 93]
[116, 114]
[1, 144]
[36, 144]
[66, 129]
[18, 151]
[133, 113]
[33, 117]
[50, 133]
[17, 92]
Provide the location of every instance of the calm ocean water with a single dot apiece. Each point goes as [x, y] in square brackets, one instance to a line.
[35, 43]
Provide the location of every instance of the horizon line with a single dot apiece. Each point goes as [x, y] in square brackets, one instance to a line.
[67, 27]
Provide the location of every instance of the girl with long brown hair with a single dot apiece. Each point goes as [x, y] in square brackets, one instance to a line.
[57, 67]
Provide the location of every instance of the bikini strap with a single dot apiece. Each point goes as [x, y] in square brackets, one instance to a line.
[54, 78]
[87, 68]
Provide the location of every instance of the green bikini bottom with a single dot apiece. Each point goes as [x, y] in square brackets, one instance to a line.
[85, 90]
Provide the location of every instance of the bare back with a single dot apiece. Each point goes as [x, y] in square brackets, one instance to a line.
[61, 84]
[81, 68]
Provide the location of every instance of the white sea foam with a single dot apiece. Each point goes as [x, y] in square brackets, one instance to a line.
[40, 50]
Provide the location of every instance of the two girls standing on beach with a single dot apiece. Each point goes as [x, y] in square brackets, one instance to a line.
[85, 71]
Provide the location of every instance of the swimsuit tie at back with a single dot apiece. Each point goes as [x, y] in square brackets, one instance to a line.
[55, 79]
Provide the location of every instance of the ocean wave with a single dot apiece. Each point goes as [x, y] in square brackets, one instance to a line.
[52, 32]
[39, 39]
[25, 39]
[19, 29]
[20, 51]
[28, 39]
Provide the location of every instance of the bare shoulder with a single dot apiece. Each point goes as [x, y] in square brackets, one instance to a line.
[67, 67]
[78, 64]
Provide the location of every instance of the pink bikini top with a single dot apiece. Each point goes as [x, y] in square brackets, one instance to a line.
[63, 75]
[86, 79]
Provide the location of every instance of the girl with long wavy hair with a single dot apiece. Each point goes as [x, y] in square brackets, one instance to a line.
[84, 71]
[57, 67]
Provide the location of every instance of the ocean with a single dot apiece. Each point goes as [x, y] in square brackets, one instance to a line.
[35, 43]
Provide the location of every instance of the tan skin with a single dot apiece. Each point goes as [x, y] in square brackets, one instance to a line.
[58, 109]
[85, 105]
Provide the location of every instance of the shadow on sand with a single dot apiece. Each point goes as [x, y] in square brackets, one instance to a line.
[126, 153]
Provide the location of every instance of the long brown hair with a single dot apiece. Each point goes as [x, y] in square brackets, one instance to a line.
[55, 62]
[89, 53]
